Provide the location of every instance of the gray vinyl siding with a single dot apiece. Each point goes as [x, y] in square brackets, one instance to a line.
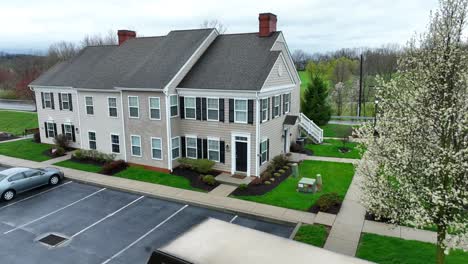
[275, 78]
[100, 122]
[56, 115]
[221, 130]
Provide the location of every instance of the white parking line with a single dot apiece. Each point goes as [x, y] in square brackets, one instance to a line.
[49, 214]
[145, 235]
[109, 215]
[233, 219]
[32, 196]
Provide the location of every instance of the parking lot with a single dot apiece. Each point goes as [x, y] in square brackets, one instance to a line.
[100, 225]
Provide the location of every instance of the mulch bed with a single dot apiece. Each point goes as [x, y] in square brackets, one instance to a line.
[195, 178]
[48, 153]
[92, 162]
[6, 136]
[261, 189]
[332, 210]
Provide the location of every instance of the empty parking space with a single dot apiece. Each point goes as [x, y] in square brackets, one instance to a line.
[100, 225]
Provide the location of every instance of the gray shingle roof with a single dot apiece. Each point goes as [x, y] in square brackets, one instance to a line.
[138, 63]
[234, 62]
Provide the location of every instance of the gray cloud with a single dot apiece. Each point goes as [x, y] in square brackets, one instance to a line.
[312, 25]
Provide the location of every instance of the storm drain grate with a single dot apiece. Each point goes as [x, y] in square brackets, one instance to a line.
[52, 240]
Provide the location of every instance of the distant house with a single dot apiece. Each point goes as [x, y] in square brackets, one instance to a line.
[192, 93]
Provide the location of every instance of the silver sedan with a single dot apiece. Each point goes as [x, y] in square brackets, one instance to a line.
[18, 180]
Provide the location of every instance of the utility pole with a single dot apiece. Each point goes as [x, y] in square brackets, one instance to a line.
[360, 87]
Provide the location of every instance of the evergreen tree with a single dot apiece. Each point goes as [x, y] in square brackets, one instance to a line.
[314, 100]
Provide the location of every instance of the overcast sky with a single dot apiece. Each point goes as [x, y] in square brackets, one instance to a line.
[311, 25]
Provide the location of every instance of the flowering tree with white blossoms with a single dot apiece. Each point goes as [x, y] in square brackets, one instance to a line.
[415, 169]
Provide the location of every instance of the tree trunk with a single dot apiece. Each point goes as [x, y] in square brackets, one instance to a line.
[440, 255]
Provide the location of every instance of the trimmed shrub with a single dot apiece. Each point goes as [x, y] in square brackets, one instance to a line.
[93, 155]
[199, 165]
[62, 141]
[242, 187]
[114, 167]
[272, 179]
[279, 161]
[209, 179]
[281, 171]
[256, 181]
[326, 201]
[286, 167]
[266, 175]
[57, 151]
[277, 174]
[37, 137]
[267, 182]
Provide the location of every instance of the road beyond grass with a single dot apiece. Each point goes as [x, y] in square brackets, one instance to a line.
[314, 235]
[16, 122]
[336, 177]
[25, 149]
[390, 250]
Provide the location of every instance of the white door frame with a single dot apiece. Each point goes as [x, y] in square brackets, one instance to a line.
[287, 139]
[233, 150]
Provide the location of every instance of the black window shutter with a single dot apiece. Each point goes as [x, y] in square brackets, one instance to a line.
[269, 108]
[181, 105]
[284, 103]
[199, 148]
[221, 110]
[198, 108]
[42, 99]
[60, 100]
[268, 149]
[73, 133]
[203, 108]
[70, 101]
[55, 129]
[222, 152]
[46, 130]
[63, 129]
[231, 110]
[260, 159]
[280, 106]
[205, 148]
[260, 110]
[52, 99]
[182, 141]
[250, 112]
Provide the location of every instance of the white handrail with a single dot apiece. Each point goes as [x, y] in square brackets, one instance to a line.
[311, 128]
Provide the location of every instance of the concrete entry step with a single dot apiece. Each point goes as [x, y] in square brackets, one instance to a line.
[229, 179]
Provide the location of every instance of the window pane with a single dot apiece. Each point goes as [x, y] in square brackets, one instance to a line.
[213, 155]
[213, 114]
[92, 135]
[189, 102]
[175, 153]
[240, 105]
[155, 114]
[132, 101]
[241, 116]
[173, 99]
[133, 112]
[174, 110]
[213, 145]
[175, 142]
[191, 142]
[157, 154]
[115, 139]
[115, 148]
[92, 144]
[136, 151]
[264, 156]
[112, 102]
[191, 152]
[89, 100]
[135, 141]
[156, 143]
[90, 110]
[212, 103]
[154, 102]
[190, 113]
[113, 112]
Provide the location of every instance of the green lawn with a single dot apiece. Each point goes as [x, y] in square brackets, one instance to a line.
[314, 235]
[79, 166]
[336, 177]
[337, 131]
[15, 122]
[390, 250]
[139, 173]
[25, 149]
[330, 148]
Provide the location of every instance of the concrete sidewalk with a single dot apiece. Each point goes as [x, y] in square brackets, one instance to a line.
[298, 157]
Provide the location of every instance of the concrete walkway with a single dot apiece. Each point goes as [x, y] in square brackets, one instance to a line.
[297, 157]
[55, 160]
[223, 190]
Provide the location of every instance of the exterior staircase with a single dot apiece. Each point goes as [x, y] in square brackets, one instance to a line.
[312, 130]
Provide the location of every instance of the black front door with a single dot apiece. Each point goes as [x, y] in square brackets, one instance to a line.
[241, 156]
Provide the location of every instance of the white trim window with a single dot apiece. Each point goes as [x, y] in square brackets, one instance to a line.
[89, 104]
[92, 140]
[264, 151]
[68, 131]
[65, 101]
[115, 143]
[133, 107]
[190, 107]
[191, 147]
[50, 129]
[154, 108]
[135, 142]
[175, 142]
[213, 149]
[276, 106]
[48, 100]
[240, 111]
[287, 102]
[174, 103]
[212, 108]
[112, 105]
[264, 112]
[156, 148]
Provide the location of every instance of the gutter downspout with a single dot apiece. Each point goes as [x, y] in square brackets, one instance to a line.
[123, 127]
[257, 135]
[168, 131]
[79, 118]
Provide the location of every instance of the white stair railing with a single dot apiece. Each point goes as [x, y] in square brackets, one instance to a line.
[311, 128]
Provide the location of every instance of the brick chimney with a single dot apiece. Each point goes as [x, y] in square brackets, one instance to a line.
[125, 35]
[267, 24]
